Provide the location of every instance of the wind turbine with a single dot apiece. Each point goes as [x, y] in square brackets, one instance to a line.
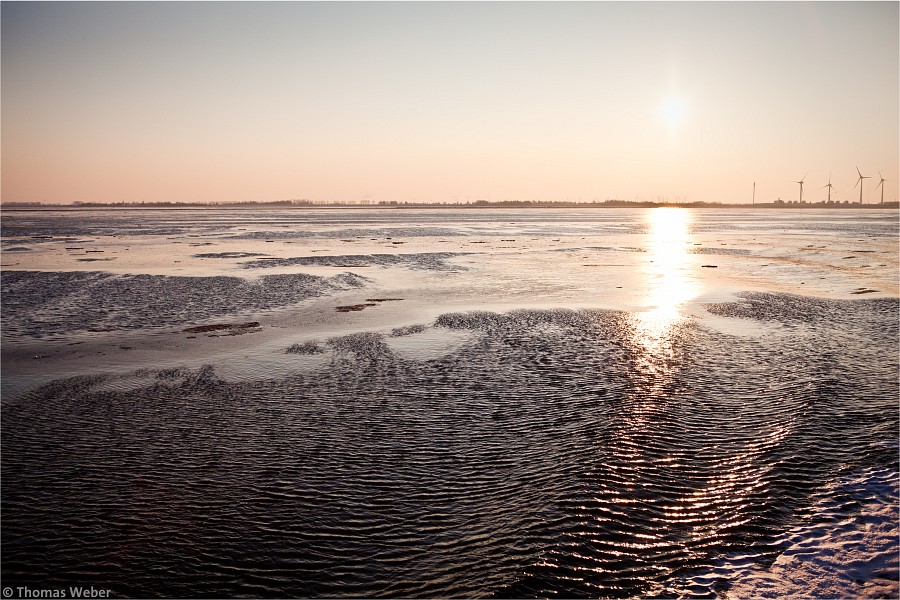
[861, 177]
[881, 185]
[801, 186]
[829, 186]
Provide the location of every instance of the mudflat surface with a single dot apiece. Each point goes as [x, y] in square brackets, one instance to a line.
[531, 403]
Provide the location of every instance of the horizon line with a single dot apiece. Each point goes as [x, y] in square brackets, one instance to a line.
[306, 203]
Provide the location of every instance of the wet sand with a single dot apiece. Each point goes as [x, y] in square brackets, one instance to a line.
[608, 264]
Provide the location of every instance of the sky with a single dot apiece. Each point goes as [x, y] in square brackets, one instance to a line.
[448, 101]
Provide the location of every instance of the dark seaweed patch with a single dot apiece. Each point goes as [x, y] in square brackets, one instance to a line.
[222, 327]
[227, 254]
[353, 307]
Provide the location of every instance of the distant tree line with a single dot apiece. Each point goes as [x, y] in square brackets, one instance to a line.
[609, 203]
[81, 204]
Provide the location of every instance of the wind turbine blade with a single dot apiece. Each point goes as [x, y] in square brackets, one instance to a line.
[857, 171]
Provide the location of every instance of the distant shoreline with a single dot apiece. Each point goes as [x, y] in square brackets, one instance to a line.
[478, 204]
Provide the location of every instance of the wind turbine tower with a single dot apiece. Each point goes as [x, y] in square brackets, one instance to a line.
[881, 185]
[829, 186]
[861, 177]
[801, 186]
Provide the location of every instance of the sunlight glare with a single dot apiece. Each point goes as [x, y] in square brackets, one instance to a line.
[668, 247]
[668, 283]
[672, 110]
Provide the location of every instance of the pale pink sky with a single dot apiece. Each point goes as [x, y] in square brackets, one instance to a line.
[436, 101]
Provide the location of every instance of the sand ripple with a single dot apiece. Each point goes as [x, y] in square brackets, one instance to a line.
[49, 304]
[551, 453]
[433, 261]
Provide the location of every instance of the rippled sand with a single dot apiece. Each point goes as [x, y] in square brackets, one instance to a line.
[451, 403]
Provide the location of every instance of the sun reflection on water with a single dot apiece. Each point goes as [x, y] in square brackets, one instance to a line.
[634, 464]
[668, 282]
[654, 330]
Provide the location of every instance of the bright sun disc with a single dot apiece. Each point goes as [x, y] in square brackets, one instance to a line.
[672, 110]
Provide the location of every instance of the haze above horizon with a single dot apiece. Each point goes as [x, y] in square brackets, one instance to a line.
[448, 102]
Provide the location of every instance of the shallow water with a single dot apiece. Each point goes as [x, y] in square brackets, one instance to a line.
[489, 423]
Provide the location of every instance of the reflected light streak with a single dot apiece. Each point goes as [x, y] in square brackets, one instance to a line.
[668, 283]
[668, 286]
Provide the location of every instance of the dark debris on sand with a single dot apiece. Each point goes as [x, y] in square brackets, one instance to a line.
[354, 307]
[231, 328]
[227, 254]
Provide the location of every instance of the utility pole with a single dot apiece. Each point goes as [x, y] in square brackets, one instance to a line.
[754, 193]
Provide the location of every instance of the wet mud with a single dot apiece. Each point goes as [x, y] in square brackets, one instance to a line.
[556, 453]
[425, 448]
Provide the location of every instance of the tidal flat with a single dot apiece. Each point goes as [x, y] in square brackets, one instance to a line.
[451, 402]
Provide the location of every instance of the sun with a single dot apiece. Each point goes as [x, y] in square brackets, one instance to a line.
[672, 110]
